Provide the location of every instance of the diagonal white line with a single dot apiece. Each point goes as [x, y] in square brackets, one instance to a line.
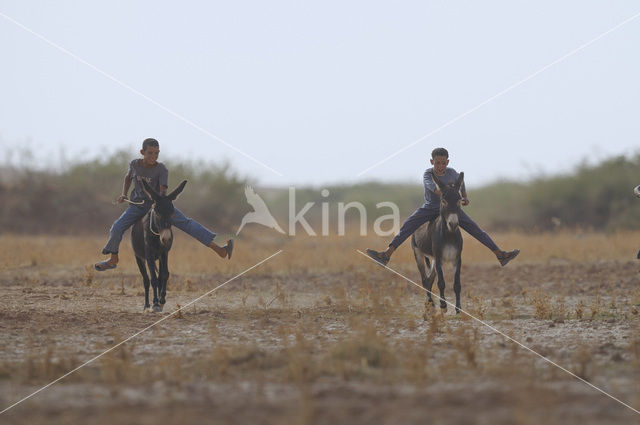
[505, 335]
[138, 333]
[139, 93]
[499, 94]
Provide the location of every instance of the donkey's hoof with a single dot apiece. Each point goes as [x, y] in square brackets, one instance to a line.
[146, 307]
[162, 301]
[157, 308]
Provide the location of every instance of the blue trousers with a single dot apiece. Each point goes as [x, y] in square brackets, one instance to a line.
[424, 214]
[136, 212]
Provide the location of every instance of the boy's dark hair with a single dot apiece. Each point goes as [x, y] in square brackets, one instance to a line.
[150, 142]
[439, 152]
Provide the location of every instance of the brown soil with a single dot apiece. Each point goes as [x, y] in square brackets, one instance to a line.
[338, 343]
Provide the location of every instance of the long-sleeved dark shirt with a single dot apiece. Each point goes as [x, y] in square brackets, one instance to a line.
[432, 200]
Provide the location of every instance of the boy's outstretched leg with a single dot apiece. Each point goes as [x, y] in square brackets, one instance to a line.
[411, 224]
[201, 233]
[132, 214]
[474, 230]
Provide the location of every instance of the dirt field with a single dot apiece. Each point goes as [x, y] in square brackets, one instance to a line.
[320, 334]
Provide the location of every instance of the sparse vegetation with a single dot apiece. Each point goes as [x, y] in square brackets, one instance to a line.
[78, 198]
[591, 197]
[301, 338]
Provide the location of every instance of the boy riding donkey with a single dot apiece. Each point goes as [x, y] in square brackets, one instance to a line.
[157, 176]
[431, 209]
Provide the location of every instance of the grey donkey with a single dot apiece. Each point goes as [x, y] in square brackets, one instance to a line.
[440, 241]
[152, 238]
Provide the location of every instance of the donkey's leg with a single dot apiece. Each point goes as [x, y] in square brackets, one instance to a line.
[456, 283]
[431, 276]
[145, 281]
[164, 276]
[151, 263]
[420, 262]
[443, 304]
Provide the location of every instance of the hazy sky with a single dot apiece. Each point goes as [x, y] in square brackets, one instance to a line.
[321, 91]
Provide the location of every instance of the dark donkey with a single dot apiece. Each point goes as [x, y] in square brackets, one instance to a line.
[440, 240]
[152, 238]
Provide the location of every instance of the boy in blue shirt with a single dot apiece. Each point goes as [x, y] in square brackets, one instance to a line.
[431, 210]
[157, 176]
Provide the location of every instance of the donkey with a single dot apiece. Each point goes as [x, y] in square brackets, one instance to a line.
[440, 240]
[152, 238]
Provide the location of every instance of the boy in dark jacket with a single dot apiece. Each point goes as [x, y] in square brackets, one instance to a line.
[431, 210]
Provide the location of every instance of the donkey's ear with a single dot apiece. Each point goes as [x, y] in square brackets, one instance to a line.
[437, 181]
[151, 193]
[174, 195]
[460, 180]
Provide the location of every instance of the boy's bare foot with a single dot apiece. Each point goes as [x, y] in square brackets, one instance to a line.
[223, 251]
[505, 256]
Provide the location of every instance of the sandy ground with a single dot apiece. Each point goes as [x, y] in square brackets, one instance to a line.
[291, 343]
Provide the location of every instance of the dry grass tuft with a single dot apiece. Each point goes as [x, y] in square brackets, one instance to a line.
[362, 354]
[579, 310]
[179, 314]
[466, 341]
[39, 367]
[542, 305]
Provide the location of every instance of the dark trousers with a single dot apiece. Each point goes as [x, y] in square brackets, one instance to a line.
[424, 214]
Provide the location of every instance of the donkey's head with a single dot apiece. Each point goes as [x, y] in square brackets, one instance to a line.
[162, 211]
[450, 201]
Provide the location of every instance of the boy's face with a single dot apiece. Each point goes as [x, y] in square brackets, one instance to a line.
[440, 164]
[150, 155]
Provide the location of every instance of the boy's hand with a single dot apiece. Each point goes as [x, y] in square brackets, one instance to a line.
[465, 201]
[121, 199]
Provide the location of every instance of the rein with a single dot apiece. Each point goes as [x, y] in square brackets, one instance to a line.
[151, 219]
[129, 201]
